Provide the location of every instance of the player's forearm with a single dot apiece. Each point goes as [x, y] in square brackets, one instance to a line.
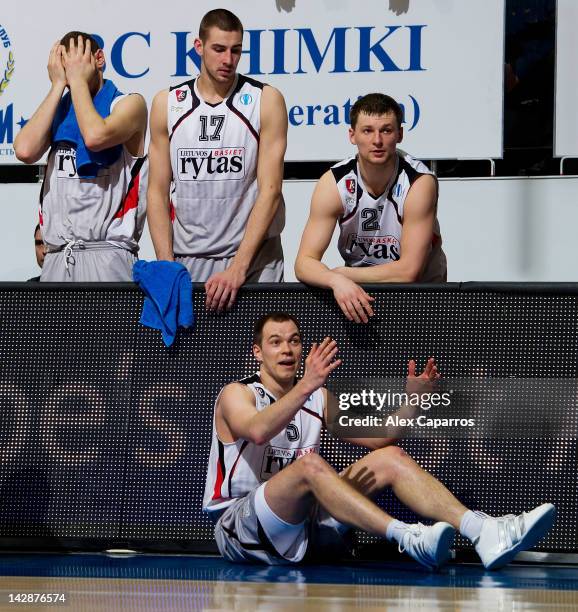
[34, 138]
[258, 223]
[266, 424]
[313, 272]
[160, 226]
[92, 125]
[394, 272]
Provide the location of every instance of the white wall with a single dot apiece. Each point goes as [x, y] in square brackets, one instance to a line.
[499, 229]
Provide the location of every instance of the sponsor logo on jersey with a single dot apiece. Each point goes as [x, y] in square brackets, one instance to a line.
[260, 391]
[222, 164]
[65, 164]
[181, 95]
[246, 99]
[386, 248]
[275, 459]
[350, 185]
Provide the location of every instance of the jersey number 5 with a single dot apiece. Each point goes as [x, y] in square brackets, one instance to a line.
[216, 122]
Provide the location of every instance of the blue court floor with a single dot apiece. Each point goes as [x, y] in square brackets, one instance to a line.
[159, 582]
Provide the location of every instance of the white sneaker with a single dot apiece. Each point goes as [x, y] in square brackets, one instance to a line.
[429, 546]
[503, 537]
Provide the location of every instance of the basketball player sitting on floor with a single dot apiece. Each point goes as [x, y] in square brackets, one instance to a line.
[385, 202]
[271, 494]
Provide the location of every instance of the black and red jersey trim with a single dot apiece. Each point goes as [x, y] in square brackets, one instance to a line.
[243, 447]
[313, 414]
[130, 199]
[194, 105]
[241, 80]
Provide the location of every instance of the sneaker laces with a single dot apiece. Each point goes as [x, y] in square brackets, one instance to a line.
[412, 531]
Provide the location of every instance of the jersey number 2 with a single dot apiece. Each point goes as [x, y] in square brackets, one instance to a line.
[216, 122]
[371, 224]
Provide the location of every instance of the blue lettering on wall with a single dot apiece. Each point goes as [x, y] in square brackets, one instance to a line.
[366, 50]
[415, 47]
[279, 51]
[183, 54]
[300, 51]
[254, 51]
[307, 39]
[116, 54]
[7, 124]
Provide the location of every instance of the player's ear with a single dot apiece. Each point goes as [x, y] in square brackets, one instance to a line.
[198, 45]
[99, 58]
[352, 136]
[257, 353]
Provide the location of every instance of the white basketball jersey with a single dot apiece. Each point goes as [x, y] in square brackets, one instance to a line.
[370, 227]
[108, 208]
[236, 468]
[214, 150]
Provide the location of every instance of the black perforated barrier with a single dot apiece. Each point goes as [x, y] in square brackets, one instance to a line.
[105, 433]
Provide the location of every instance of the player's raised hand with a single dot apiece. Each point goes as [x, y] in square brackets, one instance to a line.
[355, 302]
[320, 363]
[56, 72]
[222, 288]
[79, 62]
[424, 382]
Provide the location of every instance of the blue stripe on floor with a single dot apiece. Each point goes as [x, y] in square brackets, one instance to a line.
[160, 567]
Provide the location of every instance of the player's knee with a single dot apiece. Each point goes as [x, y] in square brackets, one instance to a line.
[389, 458]
[313, 466]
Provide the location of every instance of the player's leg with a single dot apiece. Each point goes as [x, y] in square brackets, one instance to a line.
[497, 540]
[413, 486]
[289, 496]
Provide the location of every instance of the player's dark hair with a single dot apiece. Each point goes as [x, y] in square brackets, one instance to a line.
[219, 18]
[37, 228]
[65, 40]
[375, 104]
[277, 317]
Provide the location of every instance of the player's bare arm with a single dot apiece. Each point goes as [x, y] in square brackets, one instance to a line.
[160, 173]
[222, 287]
[415, 383]
[236, 410]
[127, 122]
[416, 236]
[326, 209]
[33, 140]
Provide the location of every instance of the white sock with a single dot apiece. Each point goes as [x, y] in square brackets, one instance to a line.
[395, 530]
[471, 525]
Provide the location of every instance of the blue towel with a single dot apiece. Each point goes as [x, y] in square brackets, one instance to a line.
[169, 296]
[65, 129]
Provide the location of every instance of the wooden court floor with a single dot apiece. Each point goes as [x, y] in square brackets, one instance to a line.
[153, 582]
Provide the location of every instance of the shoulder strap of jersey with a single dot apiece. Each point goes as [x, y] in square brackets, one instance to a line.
[188, 86]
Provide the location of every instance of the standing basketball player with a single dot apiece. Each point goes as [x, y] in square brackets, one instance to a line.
[221, 140]
[269, 491]
[385, 202]
[89, 203]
